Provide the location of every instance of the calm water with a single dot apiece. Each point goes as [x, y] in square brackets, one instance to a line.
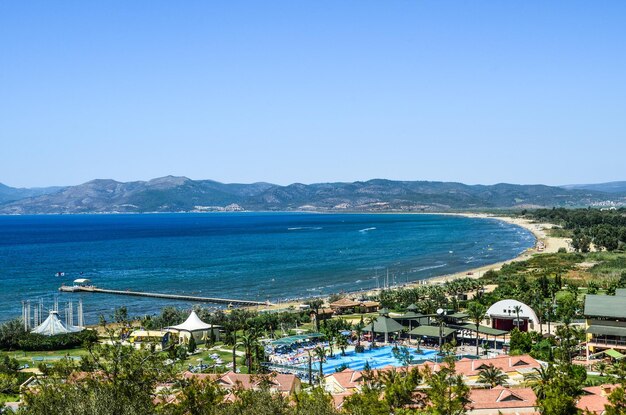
[255, 256]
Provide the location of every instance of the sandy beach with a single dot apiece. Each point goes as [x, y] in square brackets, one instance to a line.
[544, 244]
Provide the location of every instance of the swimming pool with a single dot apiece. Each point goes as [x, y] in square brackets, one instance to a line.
[379, 357]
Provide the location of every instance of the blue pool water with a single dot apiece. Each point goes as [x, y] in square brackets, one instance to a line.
[377, 358]
[255, 256]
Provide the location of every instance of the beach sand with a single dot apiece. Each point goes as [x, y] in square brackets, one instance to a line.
[540, 230]
[544, 244]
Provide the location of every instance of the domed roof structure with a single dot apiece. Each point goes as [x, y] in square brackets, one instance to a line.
[506, 309]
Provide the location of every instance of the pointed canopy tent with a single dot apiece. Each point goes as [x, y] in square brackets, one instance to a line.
[411, 307]
[384, 325]
[53, 325]
[194, 324]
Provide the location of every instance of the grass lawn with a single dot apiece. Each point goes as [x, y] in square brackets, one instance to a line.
[27, 357]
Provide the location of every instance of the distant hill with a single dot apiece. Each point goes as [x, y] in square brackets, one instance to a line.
[610, 187]
[180, 194]
[8, 194]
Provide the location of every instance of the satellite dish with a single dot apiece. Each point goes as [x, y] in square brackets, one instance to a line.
[439, 311]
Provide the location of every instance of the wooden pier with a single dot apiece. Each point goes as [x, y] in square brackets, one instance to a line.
[215, 300]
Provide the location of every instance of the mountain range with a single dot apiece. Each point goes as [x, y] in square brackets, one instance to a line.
[180, 194]
[610, 187]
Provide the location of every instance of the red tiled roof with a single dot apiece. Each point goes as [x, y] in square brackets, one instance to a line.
[284, 383]
[500, 398]
[344, 302]
[594, 398]
[470, 367]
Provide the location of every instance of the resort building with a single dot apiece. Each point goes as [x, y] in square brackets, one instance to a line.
[501, 400]
[348, 306]
[145, 339]
[514, 367]
[508, 314]
[606, 324]
[285, 384]
[522, 401]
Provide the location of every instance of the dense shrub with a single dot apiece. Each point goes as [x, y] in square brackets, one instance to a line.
[38, 342]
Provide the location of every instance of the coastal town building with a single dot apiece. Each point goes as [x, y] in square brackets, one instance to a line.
[286, 384]
[508, 314]
[512, 398]
[514, 367]
[347, 306]
[605, 324]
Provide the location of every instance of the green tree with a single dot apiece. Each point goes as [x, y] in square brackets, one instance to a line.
[447, 393]
[121, 381]
[314, 402]
[342, 342]
[316, 305]
[476, 313]
[195, 397]
[492, 376]
[191, 346]
[320, 353]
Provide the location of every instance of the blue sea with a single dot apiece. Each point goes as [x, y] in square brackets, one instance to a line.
[256, 256]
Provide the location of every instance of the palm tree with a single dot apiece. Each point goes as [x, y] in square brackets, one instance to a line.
[539, 380]
[371, 324]
[476, 312]
[358, 329]
[517, 310]
[249, 341]
[493, 376]
[601, 367]
[234, 351]
[331, 342]
[342, 343]
[320, 353]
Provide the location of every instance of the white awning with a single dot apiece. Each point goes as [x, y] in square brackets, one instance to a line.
[82, 281]
[53, 325]
[193, 323]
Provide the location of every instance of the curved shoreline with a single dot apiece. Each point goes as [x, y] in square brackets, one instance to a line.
[550, 245]
[538, 230]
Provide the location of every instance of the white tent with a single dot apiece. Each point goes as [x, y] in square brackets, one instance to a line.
[53, 325]
[192, 325]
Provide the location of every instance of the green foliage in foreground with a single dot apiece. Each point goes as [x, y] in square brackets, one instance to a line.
[14, 337]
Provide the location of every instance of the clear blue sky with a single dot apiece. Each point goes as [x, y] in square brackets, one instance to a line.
[312, 91]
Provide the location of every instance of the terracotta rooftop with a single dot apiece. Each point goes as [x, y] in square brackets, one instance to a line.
[345, 302]
[284, 383]
[500, 398]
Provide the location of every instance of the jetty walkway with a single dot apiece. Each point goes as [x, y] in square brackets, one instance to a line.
[215, 300]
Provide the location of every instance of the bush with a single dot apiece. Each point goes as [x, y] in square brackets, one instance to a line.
[10, 333]
[359, 349]
[38, 342]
